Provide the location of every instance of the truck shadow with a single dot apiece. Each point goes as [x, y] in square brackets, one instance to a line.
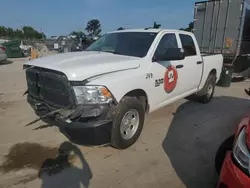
[195, 135]
[61, 172]
[63, 166]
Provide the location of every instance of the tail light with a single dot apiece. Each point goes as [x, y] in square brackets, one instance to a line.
[3, 48]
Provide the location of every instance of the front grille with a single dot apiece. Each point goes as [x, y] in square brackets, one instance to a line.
[49, 86]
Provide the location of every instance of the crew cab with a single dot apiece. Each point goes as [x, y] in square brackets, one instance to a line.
[103, 93]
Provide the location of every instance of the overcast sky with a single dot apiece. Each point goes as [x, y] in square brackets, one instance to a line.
[60, 17]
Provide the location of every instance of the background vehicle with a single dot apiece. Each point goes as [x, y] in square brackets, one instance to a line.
[3, 55]
[224, 27]
[103, 93]
[232, 159]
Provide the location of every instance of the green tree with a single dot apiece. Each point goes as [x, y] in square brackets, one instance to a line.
[27, 32]
[3, 31]
[156, 26]
[18, 33]
[78, 34]
[189, 28]
[93, 28]
[10, 32]
[30, 33]
[43, 35]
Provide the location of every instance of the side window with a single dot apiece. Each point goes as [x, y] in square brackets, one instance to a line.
[188, 45]
[167, 41]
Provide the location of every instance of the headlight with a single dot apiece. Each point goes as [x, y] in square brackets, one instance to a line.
[92, 94]
[241, 152]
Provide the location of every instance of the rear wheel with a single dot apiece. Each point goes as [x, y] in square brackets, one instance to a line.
[207, 93]
[226, 146]
[128, 120]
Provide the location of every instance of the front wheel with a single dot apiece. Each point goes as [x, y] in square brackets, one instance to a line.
[128, 120]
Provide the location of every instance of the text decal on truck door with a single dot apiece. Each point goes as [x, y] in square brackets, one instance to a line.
[149, 75]
[170, 79]
[158, 82]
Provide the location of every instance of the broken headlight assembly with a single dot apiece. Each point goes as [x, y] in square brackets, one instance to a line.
[241, 153]
[92, 95]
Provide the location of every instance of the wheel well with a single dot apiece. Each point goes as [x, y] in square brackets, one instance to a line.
[141, 95]
[213, 72]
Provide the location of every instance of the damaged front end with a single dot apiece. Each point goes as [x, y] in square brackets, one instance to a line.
[83, 121]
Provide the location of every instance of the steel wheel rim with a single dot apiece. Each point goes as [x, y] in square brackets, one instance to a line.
[210, 90]
[129, 124]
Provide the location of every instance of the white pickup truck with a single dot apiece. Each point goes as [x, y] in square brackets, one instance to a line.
[101, 95]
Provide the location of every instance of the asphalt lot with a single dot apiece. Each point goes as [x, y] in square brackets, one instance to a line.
[176, 149]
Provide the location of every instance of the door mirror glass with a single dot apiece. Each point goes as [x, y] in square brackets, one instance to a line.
[171, 54]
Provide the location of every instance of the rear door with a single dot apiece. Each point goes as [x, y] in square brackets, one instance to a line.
[192, 64]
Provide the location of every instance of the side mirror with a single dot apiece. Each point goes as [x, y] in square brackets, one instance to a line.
[171, 55]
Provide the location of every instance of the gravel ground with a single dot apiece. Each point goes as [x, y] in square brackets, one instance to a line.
[176, 149]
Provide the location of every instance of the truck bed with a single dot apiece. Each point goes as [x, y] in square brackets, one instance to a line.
[211, 62]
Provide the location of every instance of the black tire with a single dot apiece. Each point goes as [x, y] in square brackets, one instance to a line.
[126, 104]
[226, 146]
[203, 94]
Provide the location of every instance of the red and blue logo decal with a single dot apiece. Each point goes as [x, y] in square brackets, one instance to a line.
[170, 79]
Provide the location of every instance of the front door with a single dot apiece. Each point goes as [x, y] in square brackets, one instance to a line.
[166, 74]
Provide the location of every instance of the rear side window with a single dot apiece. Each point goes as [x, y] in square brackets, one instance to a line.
[188, 45]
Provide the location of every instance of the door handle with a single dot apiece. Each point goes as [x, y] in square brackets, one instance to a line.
[179, 66]
[199, 62]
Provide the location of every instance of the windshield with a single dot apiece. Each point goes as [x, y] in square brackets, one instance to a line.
[125, 43]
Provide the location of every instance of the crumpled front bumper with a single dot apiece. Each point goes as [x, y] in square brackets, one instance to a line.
[85, 125]
[94, 133]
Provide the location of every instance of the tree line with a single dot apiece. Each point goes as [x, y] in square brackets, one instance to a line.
[26, 32]
[93, 29]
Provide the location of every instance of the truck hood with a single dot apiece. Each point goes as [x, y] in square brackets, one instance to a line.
[83, 65]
